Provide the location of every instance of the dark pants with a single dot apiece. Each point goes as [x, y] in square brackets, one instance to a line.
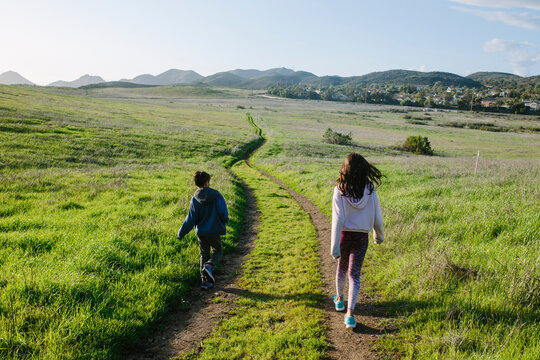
[207, 242]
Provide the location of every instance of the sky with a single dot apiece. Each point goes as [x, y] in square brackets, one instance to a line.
[54, 40]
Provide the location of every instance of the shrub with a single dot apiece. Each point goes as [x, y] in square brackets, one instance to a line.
[418, 145]
[416, 122]
[333, 137]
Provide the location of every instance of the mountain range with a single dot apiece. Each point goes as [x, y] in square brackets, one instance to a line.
[264, 79]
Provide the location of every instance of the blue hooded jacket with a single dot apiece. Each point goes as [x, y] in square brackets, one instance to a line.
[207, 212]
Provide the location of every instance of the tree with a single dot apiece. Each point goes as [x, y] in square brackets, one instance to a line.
[418, 145]
[518, 107]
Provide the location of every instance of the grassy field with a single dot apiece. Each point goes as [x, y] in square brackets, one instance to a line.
[91, 197]
[460, 268]
[96, 183]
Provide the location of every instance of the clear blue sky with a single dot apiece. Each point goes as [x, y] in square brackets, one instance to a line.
[51, 40]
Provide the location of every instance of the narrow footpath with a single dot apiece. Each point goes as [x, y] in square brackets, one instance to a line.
[185, 327]
[372, 323]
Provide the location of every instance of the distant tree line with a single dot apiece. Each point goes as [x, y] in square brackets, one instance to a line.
[435, 96]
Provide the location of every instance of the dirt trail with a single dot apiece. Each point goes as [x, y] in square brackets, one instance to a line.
[184, 330]
[345, 344]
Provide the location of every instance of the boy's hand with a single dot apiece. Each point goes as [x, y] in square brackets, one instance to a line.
[377, 240]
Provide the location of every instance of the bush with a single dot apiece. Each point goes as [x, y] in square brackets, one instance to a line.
[333, 137]
[418, 145]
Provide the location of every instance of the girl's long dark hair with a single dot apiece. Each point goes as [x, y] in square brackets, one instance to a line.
[355, 174]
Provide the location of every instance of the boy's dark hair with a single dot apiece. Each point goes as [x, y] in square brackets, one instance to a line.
[200, 178]
[355, 174]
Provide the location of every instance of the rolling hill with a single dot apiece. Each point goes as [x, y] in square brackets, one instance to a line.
[500, 79]
[14, 78]
[256, 79]
[256, 74]
[225, 79]
[82, 81]
[169, 77]
[260, 80]
[115, 84]
[410, 77]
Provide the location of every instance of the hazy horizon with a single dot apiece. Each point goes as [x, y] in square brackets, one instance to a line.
[63, 40]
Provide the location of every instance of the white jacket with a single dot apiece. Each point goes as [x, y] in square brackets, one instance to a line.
[361, 215]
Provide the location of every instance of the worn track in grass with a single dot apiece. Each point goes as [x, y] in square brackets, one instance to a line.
[372, 323]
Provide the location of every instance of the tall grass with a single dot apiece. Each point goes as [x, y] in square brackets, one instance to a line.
[92, 193]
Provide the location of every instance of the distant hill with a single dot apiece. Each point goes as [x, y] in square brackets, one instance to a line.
[169, 77]
[225, 79]
[485, 76]
[115, 84]
[410, 77]
[256, 79]
[294, 78]
[13, 78]
[499, 79]
[255, 74]
[82, 81]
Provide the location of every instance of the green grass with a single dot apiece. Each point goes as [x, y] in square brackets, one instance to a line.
[277, 313]
[91, 197]
[94, 185]
[460, 267]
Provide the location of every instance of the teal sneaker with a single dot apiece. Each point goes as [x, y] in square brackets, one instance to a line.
[338, 303]
[350, 321]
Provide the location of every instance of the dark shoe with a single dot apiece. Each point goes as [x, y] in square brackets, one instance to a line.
[205, 285]
[207, 272]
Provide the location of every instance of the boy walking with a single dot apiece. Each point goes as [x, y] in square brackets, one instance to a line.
[208, 214]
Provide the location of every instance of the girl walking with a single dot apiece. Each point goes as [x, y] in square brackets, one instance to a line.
[355, 212]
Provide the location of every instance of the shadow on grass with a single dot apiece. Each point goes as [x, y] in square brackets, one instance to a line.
[314, 301]
[454, 312]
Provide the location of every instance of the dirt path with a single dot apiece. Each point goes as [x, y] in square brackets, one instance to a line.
[183, 330]
[345, 344]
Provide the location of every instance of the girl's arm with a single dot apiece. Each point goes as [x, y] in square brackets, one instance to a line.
[378, 234]
[337, 223]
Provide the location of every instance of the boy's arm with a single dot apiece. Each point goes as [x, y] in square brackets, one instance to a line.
[189, 222]
[337, 223]
[222, 209]
[378, 234]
